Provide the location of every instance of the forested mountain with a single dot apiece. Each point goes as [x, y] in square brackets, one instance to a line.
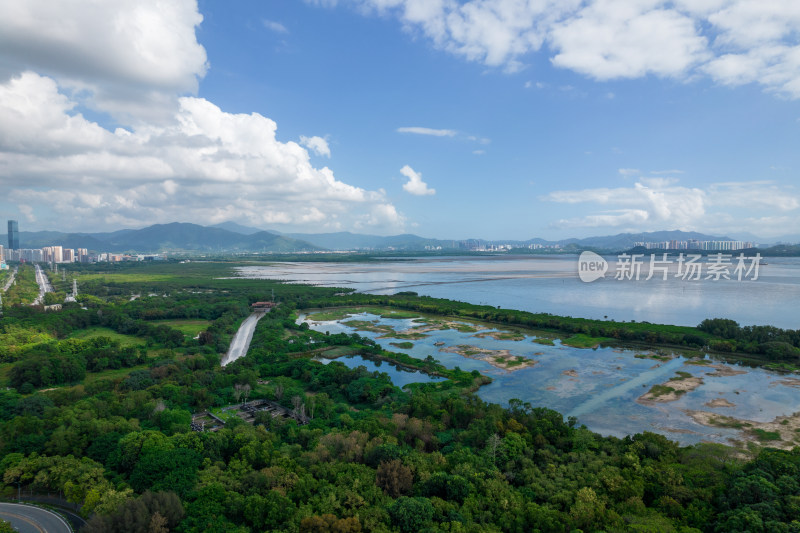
[168, 237]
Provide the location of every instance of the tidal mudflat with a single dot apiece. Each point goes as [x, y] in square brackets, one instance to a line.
[612, 390]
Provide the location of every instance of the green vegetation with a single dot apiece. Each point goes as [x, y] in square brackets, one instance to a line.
[662, 390]
[656, 356]
[402, 345]
[583, 341]
[99, 331]
[681, 376]
[545, 341]
[191, 328]
[727, 422]
[341, 314]
[764, 435]
[24, 290]
[113, 432]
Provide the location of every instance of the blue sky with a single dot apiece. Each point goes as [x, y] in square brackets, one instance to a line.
[453, 119]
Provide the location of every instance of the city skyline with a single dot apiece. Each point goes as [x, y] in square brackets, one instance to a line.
[467, 119]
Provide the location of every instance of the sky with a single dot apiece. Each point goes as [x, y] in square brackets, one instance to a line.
[455, 119]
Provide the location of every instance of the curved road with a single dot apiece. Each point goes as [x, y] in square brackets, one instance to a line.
[30, 519]
[241, 340]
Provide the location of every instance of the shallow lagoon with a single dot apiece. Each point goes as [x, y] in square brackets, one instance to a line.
[600, 386]
[550, 284]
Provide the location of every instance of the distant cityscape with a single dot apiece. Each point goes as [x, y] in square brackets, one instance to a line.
[59, 254]
[474, 245]
[693, 244]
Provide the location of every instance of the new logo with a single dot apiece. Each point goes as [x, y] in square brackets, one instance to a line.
[591, 267]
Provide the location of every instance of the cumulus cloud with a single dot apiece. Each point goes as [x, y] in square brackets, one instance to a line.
[206, 166]
[622, 39]
[318, 145]
[173, 156]
[130, 59]
[415, 185]
[417, 130]
[658, 203]
[733, 41]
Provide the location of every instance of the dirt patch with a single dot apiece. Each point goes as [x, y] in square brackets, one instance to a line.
[782, 432]
[502, 359]
[679, 430]
[572, 373]
[658, 356]
[789, 382]
[440, 325]
[723, 371]
[670, 391]
[720, 402]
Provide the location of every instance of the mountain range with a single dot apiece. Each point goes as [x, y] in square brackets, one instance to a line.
[167, 237]
[233, 237]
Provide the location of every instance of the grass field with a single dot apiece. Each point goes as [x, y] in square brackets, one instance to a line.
[97, 331]
[116, 373]
[188, 327]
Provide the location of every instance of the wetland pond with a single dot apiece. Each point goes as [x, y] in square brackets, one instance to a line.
[613, 391]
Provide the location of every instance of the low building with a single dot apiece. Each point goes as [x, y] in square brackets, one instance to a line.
[263, 306]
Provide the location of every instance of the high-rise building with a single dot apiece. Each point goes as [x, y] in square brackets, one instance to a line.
[13, 235]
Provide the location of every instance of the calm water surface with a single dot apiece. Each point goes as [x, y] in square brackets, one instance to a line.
[550, 284]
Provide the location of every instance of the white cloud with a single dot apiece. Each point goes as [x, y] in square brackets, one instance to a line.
[205, 166]
[671, 171]
[626, 172]
[754, 194]
[733, 41]
[274, 26]
[130, 59]
[427, 131]
[174, 157]
[661, 203]
[415, 185]
[611, 39]
[318, 145]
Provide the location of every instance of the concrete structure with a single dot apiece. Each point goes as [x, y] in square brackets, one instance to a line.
[72, 297]
[13, 235]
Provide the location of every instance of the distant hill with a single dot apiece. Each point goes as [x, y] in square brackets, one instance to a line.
[234, 237]
[238, 228]
[344, 240]
[624, 241]
[167, 237]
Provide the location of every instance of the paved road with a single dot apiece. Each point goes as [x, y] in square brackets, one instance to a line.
[10, 280]
[29, 519]
[241, 340]
[44, 285]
